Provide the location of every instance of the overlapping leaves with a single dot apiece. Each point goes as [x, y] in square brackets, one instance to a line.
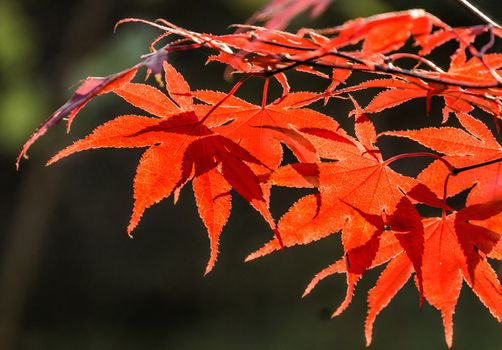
[223, 144]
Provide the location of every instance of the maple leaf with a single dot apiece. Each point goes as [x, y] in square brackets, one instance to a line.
[430, 41]
[405, 238]
[89, 89]
[455, 250]
[221, 143]
[384, 32]
[391, 280]
[370, 198]
[465, 77]
[182, 146]
[457, 99]
[263, 50]
[262, 129]
[369, 186]
[387, 248]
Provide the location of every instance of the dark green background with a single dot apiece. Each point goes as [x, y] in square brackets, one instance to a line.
[70, 278]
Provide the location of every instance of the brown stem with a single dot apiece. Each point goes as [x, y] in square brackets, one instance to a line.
[366, 68]
[456, 171]
[265, 93]
[421, 154]
[410, 73]
[227, 96]
[479, 54]
[445, 194]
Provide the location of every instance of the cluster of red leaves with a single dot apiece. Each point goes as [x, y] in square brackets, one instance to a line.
[221, 143]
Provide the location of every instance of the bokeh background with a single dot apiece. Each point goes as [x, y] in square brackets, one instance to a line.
[70, 278]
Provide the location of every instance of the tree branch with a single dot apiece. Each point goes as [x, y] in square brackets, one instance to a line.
[364, 67]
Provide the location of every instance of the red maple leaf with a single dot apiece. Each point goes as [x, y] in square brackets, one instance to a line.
[357, 180]
[456, 250]
[221, 143]
[182, 145]
[366, 196]
[89, 89]
[262, 129]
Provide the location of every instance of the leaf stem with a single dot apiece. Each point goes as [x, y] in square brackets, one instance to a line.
[456, 171]
[265, 93]
[445, 194]
[453, 170]
[450, 167]
[227, 96]
[400, 55]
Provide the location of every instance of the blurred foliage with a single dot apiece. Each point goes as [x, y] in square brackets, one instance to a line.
[353, 9]
[22, 96]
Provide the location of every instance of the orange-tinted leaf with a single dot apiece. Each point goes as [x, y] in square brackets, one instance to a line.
[212, 194]
[178, 88]
[91, 88]
[388, 248]
[393, 97]
[452, 253]
[121, 132]
[152, 182]
[148, 99]
[181, 147]
[441, 273]
[370, 191]
[262, 129]
[88, 90]
[392, 279]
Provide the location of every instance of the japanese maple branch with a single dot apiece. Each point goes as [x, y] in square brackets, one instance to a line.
[365, 67]
[401, 72]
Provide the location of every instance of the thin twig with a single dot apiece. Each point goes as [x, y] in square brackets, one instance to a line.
[389, 70]
[365, 67]
[420, 59]
[478, 13]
